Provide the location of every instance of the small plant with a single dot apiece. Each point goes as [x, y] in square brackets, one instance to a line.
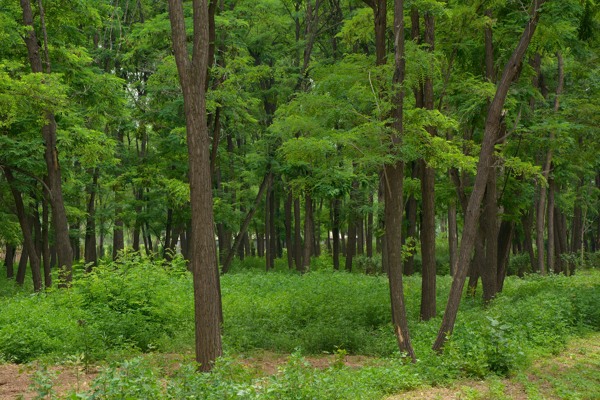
[42, 382]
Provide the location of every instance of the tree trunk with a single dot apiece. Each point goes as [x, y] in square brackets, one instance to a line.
[9, 261]
[492, 126]
[336, 204]
[28, 241]
[288, 229]
[505, 237]
[46, 244]
[308, 232]
[59, 215]
[273, 236]
[264, 187]
[527, 222]
[22, 268]
[393, 186]
[297, 237]
[550, 226]
[452, 236]
[203, 261]
[369, 231]
[91, 257]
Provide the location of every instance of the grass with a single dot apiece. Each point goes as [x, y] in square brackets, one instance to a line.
[136, 306]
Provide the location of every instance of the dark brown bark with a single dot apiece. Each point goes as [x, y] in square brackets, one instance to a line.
[452, 236]
[288, 229]
[269, 256]
[308, 232]
[59, 215]
[489, 222]
[91, 257]
[297, 236]
[46, 244]
[273, 236]
[9, 260]
[393, 176]
[264, 187]
[428, 272]
[492, 127]
[527, 223]
[22, 267]
[28, 240]
[337, 204]
[505, 236]
[369, 230]
[203, 262]
[550, 226]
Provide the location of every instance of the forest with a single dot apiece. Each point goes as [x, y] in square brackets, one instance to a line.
[303, 199]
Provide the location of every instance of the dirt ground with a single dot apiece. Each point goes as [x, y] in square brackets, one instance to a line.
[573, 374]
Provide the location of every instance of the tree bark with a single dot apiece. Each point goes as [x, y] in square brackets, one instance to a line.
[91, 257]
[393, 175]
[59, 215]
[264, 187]
[9, 261]
[492, 126]
[308, 232]
[28, 241]
[203, 260]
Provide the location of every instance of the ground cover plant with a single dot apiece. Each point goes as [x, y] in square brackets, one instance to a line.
[136, 305]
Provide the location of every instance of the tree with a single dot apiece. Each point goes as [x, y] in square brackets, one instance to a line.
[393, 182]
[203, 259]
[493, 122]
[59, 215]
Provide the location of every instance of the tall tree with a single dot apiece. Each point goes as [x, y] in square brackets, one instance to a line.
[203, 258]
[59, 215]
[493, 123]
[393, 186]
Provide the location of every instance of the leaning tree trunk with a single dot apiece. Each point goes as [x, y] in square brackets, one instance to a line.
[203, 258]
[492, 126]
[59, 215]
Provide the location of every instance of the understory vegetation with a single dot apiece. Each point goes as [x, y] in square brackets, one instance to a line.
[134, 306]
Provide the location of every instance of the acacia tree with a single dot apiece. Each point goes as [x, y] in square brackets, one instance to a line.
[393, 183]
[203, 257]
[59, 215]
[493, 124]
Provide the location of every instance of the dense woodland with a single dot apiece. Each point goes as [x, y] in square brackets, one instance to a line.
[383, 137]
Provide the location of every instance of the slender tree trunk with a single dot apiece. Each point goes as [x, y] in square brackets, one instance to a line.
[46, 244]
[9, 260]
[527, 222]
[22, 268]
[297, 237]
[308, 232]
[273, 236]
[393, 186]
[336, 204]
[288, 229]
[59, 215]
[550, 226]
[264, 187]
[492, 126]
[91, 257]
[369, 232]
[452, 236]
[505, 237]
[28, 240]
[203, 262]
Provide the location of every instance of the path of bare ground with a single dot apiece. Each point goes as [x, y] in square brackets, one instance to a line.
[574, 374]
[16, 380]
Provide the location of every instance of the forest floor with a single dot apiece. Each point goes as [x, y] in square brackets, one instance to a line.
[572, 374]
